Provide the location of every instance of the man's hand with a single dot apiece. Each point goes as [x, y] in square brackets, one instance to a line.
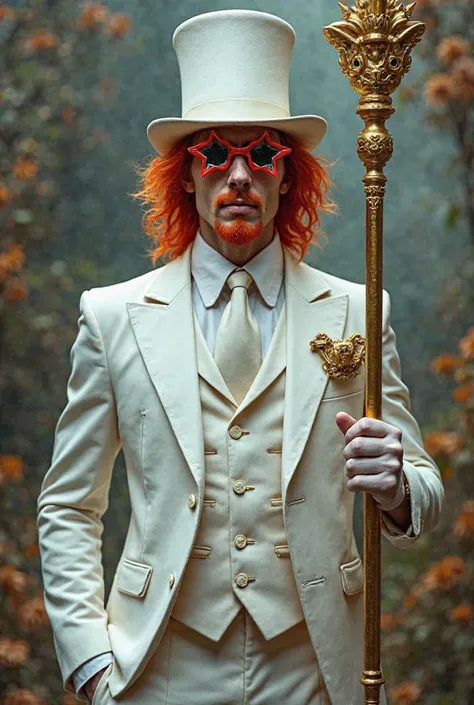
[374, 456]
[90, 685]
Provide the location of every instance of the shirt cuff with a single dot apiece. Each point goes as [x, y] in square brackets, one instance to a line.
[88, 669]
[393, 528]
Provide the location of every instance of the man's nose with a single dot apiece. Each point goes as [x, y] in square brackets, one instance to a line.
[240, 174]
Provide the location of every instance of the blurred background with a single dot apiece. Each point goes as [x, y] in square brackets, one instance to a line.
[79, 83]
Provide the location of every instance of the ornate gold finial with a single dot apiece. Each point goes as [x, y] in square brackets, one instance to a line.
[342, 358]
[374, 54]
[374, 50]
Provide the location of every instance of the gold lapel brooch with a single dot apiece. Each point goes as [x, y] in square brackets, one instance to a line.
[342, 359]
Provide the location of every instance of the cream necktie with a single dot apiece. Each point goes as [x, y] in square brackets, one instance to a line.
[238, 349]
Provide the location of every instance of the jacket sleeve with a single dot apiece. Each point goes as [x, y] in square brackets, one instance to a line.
[422, 473]
[73, 497]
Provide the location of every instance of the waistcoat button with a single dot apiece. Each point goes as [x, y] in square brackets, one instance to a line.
[235, 432]
[192, 501]
[239, 487]
[240, 541]
[242, 580]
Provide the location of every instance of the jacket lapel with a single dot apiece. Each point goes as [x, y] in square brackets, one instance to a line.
[164, 331]
[310, 309]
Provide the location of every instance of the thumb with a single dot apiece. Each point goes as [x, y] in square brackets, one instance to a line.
[344, 421]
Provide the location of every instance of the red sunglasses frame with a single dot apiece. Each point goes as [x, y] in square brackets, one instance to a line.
[233, 151]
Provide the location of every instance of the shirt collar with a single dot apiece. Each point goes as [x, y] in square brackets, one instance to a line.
[210, 270]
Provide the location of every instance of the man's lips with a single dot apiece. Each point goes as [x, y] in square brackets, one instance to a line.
[238, 203]
[239, 207]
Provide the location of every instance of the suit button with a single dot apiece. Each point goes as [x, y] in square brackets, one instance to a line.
[239, 487]
[235, 432]
[240, 541]
[171, 580]
[242, 580]
[192, 501]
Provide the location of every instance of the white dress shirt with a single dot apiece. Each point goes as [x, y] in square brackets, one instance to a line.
[209, 272]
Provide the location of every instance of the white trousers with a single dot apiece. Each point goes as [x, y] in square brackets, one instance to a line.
[242, 668]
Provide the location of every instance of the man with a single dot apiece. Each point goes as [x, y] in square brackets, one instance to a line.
[240, 580]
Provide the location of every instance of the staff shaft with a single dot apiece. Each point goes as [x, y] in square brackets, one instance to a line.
[374, 41]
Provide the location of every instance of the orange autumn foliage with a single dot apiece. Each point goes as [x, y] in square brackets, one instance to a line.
[464, 524]
[14, 652]
[5, 195]
[32, 550]
[11, 468]
[32, 613]
[439, 89]
[463, 613]
[388, 621]
[466, 345]
[445, 574]
[463, 393]
[119, 25]
[41, 39]
[22, 696]
[463, 78]
[443, 443]
[25, 169]
[411, 598]
[12, 580]
[452, 48]
[68, 114]
[94, 15]
[444, 364]
[15, 290]
[407, 693]
[6, 13]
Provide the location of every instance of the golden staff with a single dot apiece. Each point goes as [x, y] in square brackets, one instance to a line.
[374, 41]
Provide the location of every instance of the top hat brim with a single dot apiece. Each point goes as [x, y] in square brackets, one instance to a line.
[164, 133]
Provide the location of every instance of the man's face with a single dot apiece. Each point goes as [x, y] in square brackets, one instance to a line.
[238, 203]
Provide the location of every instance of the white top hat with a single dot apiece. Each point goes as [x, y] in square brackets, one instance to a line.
[235, 67]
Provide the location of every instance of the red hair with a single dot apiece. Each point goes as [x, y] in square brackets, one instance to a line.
[171, 218]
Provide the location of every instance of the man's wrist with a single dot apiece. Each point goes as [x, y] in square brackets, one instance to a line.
[403, 491]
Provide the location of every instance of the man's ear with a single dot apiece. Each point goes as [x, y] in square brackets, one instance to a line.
[188, 185]
[285, 185]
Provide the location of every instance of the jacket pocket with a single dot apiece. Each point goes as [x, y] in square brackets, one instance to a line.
[202, 552]
[133, 578]
[352, 576]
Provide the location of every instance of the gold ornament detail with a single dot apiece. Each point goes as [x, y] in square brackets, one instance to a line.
[374, 195]
[374, 50]
[374, 147]
[342, 359]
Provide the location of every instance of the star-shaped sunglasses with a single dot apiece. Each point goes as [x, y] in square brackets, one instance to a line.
[216, 153]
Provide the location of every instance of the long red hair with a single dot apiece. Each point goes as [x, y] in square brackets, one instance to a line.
[171, 218]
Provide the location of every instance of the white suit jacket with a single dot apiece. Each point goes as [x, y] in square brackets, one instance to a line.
[134, 351]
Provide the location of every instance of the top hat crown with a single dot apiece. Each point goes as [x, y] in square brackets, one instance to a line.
[234, 67]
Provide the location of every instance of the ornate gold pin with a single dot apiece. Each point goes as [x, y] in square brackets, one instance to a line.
[342, 358]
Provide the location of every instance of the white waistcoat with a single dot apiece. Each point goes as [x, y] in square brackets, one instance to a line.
[241, 554]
